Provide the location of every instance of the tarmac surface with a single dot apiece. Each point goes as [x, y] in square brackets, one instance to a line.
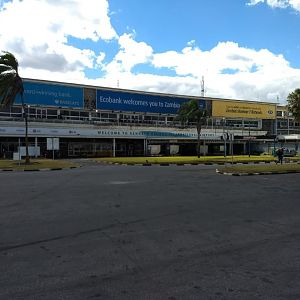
[136, 232]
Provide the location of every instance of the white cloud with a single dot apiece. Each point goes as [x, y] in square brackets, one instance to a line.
[37, 32]
[254, 2]
[278, 3]
[294, 4]
[40, 36]
[131, 53]
[232, 71]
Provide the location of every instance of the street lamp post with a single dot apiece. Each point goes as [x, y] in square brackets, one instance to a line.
[25, 111]
[249, 138]
[224, 136]
[288, 123]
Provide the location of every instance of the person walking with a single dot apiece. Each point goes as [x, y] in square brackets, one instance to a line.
[279, 154]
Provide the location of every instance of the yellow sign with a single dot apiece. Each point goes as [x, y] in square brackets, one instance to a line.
[234, 109]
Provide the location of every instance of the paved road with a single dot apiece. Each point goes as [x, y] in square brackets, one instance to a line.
[134, 232]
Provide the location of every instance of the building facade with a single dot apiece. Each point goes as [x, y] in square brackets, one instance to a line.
[288, 130]
[70, 120]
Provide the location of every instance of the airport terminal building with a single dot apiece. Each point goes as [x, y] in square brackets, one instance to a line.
[70, 120]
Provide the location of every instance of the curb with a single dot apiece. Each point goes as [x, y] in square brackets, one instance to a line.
[180, 164]
[256, 173]
[38, 170]
[188, 164]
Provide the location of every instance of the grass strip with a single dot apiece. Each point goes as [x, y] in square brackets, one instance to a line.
[273, 168]
[36, 164]
[186, 159]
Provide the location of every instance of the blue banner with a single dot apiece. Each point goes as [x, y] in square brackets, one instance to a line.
[45, 94]
[137, 102]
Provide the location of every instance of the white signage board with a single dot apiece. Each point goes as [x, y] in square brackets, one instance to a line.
[32, 151]
[107, 133]
[52, 143]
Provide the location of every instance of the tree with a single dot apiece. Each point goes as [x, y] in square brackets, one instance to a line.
[294, 104]
[191, 112]
[11, 85]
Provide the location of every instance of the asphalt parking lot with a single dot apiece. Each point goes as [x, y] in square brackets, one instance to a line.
[136, 232]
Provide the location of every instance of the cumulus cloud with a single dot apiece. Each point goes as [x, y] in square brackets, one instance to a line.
[233, 71]
[294, 4]
[38, 32]
[131, 53]
[254, 2]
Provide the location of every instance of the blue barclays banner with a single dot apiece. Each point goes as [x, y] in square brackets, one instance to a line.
[43, 94]
[135, 102]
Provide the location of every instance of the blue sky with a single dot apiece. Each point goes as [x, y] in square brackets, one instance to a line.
[244, 49]
[170, 24]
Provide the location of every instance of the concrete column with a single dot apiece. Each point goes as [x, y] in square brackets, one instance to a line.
[114, 147]
[145, 147]
[35, 145]
[245, 148]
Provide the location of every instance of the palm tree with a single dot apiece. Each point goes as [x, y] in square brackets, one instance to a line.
[11, 84]
[294, 104]
[191, 112]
